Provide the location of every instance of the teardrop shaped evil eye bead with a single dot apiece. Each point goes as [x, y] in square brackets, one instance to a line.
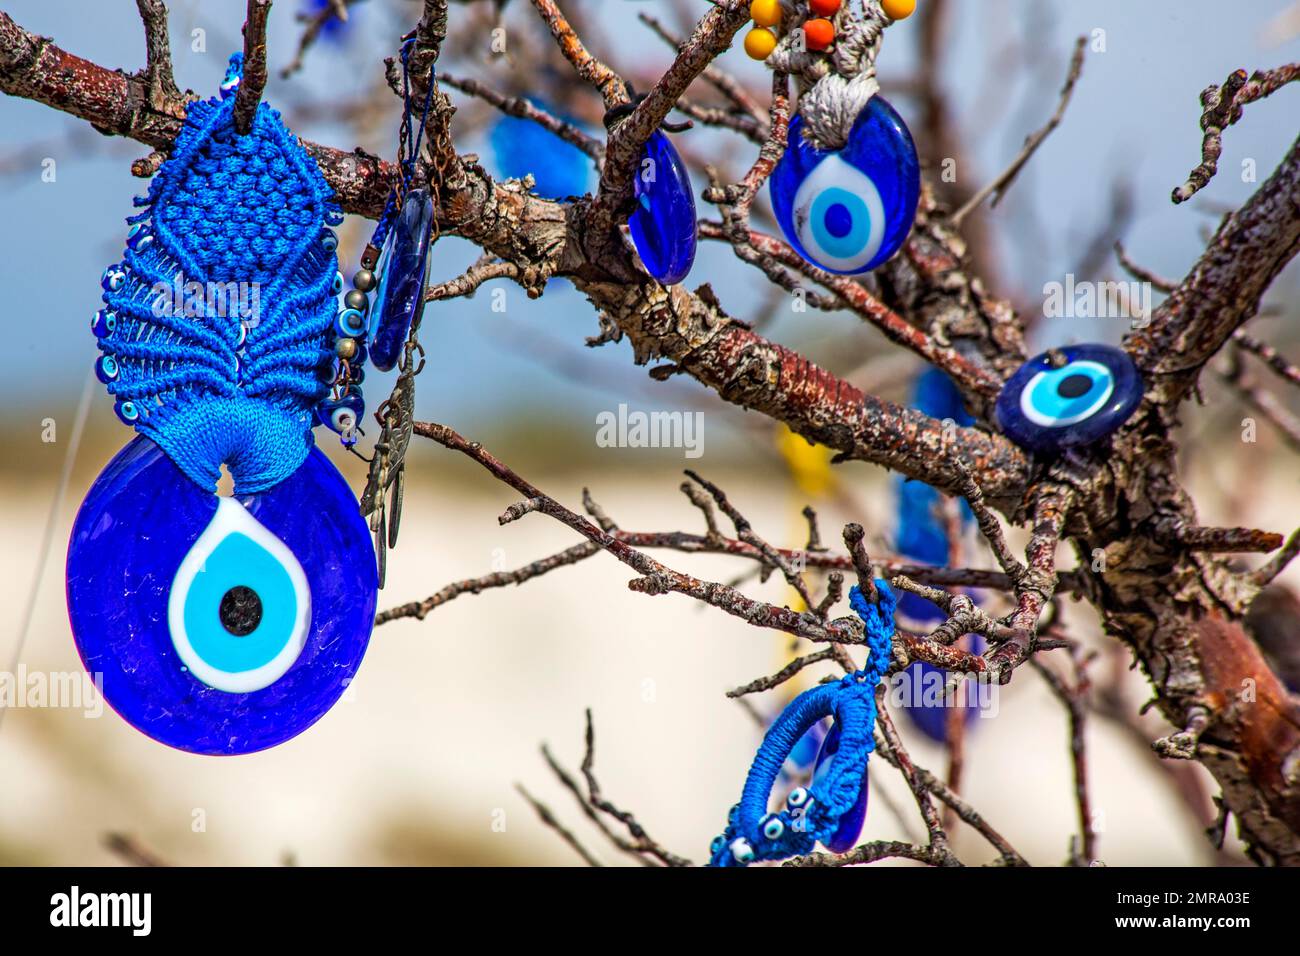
[400, 300]
[850, 825]
[847, 211]
[349, 324]
[663, 224]
[219, 625]
[103, 324]
[1068, 397]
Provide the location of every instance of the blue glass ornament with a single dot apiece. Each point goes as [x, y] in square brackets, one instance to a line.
[1045, 407]
[219, 625]
[849, 210]
[522, 147]
[404, 272]
[663, 223]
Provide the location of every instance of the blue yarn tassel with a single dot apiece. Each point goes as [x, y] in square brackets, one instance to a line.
[813, 815]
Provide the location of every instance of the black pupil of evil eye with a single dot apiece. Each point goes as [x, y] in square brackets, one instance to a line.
[1072, 386]
[240, 611]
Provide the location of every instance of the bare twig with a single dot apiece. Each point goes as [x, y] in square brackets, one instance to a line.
[250, 89]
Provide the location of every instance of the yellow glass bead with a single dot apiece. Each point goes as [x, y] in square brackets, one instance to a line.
[766, 13]
[759, 43]
[898, 9]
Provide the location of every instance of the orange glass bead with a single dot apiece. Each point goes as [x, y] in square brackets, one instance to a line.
[766, 13]
[824, 8]
[898, 9]
[818, 34]
[760, 42]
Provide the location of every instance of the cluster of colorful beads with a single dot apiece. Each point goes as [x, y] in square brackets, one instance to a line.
[818, 29]
[343, 409]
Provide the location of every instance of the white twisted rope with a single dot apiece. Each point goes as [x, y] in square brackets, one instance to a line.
[834, 90]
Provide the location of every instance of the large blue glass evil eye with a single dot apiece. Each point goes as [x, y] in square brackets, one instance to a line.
[1068, 397]
[399, 303]
[219, 625]
[846, 834]
[849, 210]
[663, 223]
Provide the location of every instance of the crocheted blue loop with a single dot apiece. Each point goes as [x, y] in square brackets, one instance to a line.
[223, 300]
[812, 815]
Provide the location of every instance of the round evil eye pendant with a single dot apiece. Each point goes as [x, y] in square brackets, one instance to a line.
[1069, 397]
[219, 625]
[848, 210]
[663, 223]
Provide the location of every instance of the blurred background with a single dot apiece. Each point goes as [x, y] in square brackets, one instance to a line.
[420, 763]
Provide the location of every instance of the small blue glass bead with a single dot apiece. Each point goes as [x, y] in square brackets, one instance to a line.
[1045, 409]
[139, 236]
[349, 324]
[399, 302]
[112, 278]
[663, 224]
[128, 553]
[847, 211]
[329, 239]
[106, 369]
[127, 412]
[343, 415]
[337, 286]
[103, 324]
[849, 829]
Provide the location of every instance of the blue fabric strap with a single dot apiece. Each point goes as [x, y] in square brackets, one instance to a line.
[812, 815]
[231, 224]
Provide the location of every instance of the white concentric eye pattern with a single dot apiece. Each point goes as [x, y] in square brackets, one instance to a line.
[232, 522]
[861, 226]
[1097, 372]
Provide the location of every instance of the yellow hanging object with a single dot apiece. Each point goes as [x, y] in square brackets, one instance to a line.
[766, 13]
[898, 9]
[760, 42]
[810, 465]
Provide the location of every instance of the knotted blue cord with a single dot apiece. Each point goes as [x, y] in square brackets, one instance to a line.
[755, 834]
[240, 221]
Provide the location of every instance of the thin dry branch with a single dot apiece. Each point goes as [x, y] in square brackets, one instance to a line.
[250, 89]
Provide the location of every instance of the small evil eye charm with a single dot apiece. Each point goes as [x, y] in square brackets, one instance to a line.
[1068, 397]
[127, 412]
[139, 236]
[663, 223]
[113, 278]
[342, 415]
[848, 210]
[107, 369]
[399, 302]
[849, 829]
[741, 851]
[103, 324]
[349, 324]
[329, 240]
[219, 625]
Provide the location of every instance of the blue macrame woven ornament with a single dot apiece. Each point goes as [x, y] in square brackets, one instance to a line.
[224, 625]
[815, 814]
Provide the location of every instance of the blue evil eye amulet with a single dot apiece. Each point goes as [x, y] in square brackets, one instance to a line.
[848, 210]
[1069, 397]
[404, 273]
[224, 625]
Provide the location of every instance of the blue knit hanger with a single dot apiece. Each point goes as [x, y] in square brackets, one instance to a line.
[812, 815]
